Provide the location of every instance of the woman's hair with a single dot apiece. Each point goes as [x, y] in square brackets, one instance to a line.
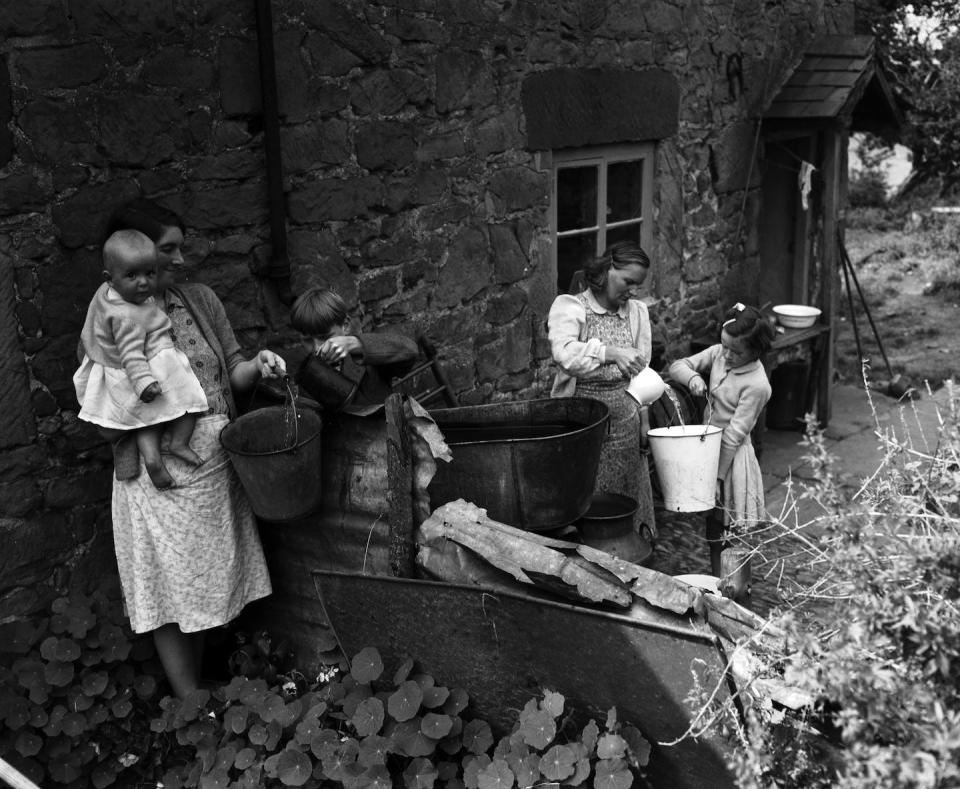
[144, 215]
[316, 310]
[752, 325]
[619, 255]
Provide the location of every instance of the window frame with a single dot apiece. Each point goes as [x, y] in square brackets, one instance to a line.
[604, 155]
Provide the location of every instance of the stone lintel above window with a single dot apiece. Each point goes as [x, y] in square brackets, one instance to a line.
[572, 108]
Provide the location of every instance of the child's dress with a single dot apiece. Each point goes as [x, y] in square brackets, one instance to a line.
[126, 347]
[736, 397]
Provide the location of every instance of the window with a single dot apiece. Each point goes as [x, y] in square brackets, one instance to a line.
[601, 195]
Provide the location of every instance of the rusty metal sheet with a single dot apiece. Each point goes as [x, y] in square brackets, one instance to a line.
[502, 648]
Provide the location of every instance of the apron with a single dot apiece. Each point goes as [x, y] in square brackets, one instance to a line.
[623, 468]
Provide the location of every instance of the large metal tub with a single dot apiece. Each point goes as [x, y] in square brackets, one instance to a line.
[530, 463]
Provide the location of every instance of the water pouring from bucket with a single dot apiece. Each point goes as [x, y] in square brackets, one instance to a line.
[687, 458]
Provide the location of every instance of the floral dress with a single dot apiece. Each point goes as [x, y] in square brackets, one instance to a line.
[190, 554]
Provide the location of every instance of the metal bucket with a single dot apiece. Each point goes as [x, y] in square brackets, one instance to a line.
[278, 462]
[529, 463]
[608, 526]
[687, 458]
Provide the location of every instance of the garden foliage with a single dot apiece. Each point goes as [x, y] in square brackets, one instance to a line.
[880, 656]
[80, 706]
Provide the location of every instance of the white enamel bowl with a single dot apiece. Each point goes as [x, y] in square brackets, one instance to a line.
[796, 316]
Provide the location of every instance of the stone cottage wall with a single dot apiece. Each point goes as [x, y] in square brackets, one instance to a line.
[409, 187]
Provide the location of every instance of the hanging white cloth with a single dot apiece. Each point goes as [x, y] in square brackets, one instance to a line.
[804, 181]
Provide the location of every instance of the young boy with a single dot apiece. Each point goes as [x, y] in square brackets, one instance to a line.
[131, 376]
[344, 367]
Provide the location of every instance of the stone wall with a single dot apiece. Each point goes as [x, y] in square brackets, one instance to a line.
[410, 187]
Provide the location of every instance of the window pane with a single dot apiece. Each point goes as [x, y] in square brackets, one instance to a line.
[572, 252]
[576, 198]
[624, 190]
[626, 233]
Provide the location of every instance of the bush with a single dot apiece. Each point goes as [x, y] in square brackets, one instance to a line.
[867, 188]
[881, 665]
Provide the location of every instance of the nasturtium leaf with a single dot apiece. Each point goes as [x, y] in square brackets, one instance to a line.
[457, 702]
[434, 696]
[97, 715]
[436, 726]
[59, 623]
[611, 746]
[235, 718]
[48, 648]
[352, 700]
[612, 774]
[418, 744]
[335, 766]
[451, 745]
[216, 779]
[447, 770]
[403, 672]
[294, 768]
[420, 774]
[63, 770]
[472, 765]
[289, 714]
[145, 686]
[103, 775]
[496, 775]
[376, 777]
[257, 734]
[270, 707]
[274, 732]
[67, 650]
[538, 728]
[368, 717]
[77, 700]
[38, 717]
[94, 683]
[405, 701]
[590, 735]
[639, 746]
[582, 773]
[477, 737]
[527, 770]
[244, 758]
[74, 724]
[28, 743]
[306, 730]
[16, 638]
[322, 740]
[424, 680]
[226, 756]
[121, 707]
[558, 763]
[553, 703]
[373, 750]
[58, 673]
[252, 692]
[366, 665]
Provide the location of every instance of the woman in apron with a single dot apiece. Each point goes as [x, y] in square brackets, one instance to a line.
[599, 339]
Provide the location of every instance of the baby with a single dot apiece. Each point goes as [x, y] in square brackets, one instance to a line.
[131, 376]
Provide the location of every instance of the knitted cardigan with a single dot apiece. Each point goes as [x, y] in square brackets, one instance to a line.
[211, 318]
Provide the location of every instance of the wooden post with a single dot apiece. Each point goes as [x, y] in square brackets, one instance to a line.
[399, 489]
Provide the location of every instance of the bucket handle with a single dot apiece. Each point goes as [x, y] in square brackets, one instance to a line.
[290, 402]
[706, 421]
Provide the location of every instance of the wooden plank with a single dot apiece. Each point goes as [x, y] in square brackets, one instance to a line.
[399, 489]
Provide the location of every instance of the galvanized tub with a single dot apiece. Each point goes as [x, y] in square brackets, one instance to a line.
[529, 463]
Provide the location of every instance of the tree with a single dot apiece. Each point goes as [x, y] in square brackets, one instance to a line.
[920, 46]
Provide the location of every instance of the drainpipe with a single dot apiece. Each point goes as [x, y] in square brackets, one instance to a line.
[279, 267]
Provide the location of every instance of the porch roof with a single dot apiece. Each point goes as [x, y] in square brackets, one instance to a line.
[839, 76]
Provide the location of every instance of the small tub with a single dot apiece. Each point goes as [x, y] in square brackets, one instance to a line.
[608, 526]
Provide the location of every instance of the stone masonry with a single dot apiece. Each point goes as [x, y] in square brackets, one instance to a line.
[410, 180]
